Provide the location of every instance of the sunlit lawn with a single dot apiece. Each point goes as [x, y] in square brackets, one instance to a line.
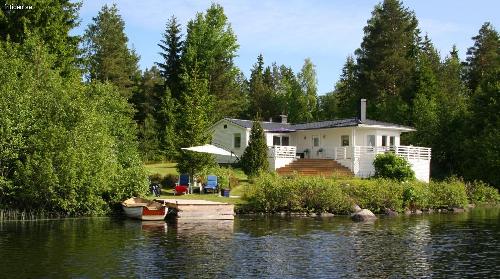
[162, 168]
[167, 193]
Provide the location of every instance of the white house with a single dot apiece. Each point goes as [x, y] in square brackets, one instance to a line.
[352, 142]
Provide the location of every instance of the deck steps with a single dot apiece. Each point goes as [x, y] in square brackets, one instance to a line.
[315, 167]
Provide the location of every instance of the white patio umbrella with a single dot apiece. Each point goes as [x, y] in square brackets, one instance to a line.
[208, 148]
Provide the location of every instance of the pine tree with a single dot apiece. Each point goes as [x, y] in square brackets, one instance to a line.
[258, 92]
[328, 106]
[168, 122]
[448, 144]
[296, 99]
[148, 139]
[107, 55]
[346, 91]
[483, 123]
[254, 159]
[484, 57]
[386, 61]
[171, 46]
[148, 96]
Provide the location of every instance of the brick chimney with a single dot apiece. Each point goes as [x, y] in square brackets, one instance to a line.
[362, 110]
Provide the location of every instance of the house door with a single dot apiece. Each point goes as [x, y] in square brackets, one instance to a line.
[315, 147]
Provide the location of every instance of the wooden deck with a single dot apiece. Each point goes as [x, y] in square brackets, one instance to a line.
[199, 209]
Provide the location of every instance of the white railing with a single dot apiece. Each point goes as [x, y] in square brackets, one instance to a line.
[341, 153]
[409, 152]
[279, 151]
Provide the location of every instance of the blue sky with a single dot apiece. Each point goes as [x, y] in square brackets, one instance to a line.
[287, 32]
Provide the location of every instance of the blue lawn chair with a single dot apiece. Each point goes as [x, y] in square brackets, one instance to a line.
[182, 187]
[212, 184]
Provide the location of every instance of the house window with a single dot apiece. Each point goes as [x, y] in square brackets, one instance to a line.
[315, 141]
[285, 141]
[225, 126]
[344, 140]
[276, 140]
[237, 140]
[371, 140]
[384, 140]
[392, 140]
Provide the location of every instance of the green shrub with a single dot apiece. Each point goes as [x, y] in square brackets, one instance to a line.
[273, 193]
[449, 193]
[169, 180]
[415, 195]
[376, 194]
[391, 166]
[481, 193]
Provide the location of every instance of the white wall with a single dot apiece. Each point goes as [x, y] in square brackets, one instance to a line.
[276, 163]
[362, 133]
[421, 168]
[225, 138]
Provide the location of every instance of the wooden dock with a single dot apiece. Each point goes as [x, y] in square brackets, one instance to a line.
[199, 209]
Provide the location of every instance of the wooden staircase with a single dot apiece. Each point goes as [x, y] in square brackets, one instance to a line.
[315, 167]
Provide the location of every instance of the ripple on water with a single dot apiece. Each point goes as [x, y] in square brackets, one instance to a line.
[459, 245]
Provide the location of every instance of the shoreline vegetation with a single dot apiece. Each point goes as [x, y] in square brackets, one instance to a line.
[271, 193]
[296, 195]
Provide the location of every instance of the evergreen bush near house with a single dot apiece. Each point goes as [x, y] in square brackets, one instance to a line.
[391, 166]
[254, 159]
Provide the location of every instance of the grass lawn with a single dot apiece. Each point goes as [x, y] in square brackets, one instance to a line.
[169, 168]
[162, 168]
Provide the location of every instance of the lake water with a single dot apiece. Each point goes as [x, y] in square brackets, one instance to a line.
[437, 245]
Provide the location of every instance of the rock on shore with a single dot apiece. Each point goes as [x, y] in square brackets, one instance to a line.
[363, 215]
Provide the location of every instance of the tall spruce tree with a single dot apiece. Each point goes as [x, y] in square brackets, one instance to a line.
[346, 90]
[257, 94]
[386, 61]
[167, 123]
[254, 159]
[447, 146]
[171, 46]
[481, 160]
[107, 56]
[484, 57]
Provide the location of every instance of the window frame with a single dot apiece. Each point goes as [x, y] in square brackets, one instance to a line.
[237, 136]
[342, 140]
[278, 138]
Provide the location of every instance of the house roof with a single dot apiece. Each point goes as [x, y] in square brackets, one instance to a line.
[349, 122]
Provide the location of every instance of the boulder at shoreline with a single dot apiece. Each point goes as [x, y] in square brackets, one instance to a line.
[363, 215]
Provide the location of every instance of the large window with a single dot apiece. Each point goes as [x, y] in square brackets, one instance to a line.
[371, 140]
[276, 140]
[237, 140]
[344, 140]
[384, 141]
[392, 140]
[285, 141]
[315, 141]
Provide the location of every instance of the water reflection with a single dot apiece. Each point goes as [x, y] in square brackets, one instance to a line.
[447, 245]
